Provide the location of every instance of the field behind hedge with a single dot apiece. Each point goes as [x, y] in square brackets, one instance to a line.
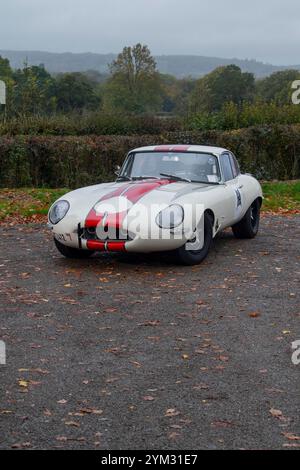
[268, 152]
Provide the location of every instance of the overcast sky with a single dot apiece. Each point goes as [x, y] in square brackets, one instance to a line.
[267, 30]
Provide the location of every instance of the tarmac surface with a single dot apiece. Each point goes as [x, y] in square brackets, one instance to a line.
[136, 352]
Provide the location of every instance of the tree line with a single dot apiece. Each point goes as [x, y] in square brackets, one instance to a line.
[135, 87]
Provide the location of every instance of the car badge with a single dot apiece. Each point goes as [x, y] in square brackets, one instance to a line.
[104, 219]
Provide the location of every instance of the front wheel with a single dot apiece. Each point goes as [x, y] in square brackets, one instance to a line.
[192, 257]
[69, 252]
[248, 226]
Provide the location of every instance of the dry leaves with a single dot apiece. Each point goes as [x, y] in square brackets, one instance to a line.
[290, 436]
[171, 412]
[254, 314]
[276, 413]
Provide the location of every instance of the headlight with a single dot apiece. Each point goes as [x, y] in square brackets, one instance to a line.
[170, 217]
[58, 211]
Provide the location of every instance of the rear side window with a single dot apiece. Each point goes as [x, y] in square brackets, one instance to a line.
[234, 165]
[226, 167]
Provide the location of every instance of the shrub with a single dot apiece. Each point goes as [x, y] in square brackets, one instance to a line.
[93, 123]
[269, 152]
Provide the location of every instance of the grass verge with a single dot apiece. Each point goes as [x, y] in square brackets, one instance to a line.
[31, 205]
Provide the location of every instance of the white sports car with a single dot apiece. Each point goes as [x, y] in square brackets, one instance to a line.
[165, 198]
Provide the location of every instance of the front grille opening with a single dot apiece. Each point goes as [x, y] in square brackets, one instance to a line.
[91, 230]
[91, 234]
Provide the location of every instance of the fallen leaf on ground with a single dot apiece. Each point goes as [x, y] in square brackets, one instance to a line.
[275, 413]
[254, 314]
[72, 423]
[290, 436]
[23, 383]
[222, 424]
[172, 412]
[91, 411]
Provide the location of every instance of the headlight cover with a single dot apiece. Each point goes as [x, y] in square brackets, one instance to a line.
[170, 217]
[58, 211]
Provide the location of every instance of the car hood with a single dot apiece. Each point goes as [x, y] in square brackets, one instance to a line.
[86, 203]
[134, 190]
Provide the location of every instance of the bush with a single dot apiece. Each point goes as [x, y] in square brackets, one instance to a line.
[96, 123]
[269, 152]
[249, 114]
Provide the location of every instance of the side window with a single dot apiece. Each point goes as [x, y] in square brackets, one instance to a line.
[128, 165]
[234, 165]
[226, 167]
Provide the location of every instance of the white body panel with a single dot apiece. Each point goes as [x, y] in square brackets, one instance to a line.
[228, 201]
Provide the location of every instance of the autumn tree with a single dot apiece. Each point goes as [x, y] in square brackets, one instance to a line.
[33, 91]
[134, 84]
[277, 87]
[75, 91]
[176, 94]
[226, 84]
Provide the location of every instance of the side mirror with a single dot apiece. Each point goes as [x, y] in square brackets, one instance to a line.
[117, 170]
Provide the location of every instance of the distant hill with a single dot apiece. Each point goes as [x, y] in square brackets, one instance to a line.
[177, 65]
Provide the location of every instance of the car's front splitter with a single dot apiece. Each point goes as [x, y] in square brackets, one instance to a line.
[98, 245]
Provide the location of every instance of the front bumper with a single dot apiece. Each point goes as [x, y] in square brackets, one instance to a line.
[77, 238]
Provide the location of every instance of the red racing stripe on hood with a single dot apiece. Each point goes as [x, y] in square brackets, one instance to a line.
[133, 192]
[93, 218]
[171, 148]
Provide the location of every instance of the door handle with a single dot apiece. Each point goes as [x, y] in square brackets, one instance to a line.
[241, 187]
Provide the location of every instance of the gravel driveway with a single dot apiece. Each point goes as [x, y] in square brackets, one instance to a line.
[121, 352]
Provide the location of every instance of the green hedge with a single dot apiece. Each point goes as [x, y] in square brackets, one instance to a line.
[71, 161]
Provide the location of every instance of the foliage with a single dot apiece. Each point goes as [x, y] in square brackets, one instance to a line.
[281, 195]
[179, 66]
[176, 94]
[224, 84]
[226, 98]
[89, 123]
[28, 204]
[232, 116]
[269, 152]
[33, 91]
[134, 85]
[74, 91]
[277, 87]
[58, 128]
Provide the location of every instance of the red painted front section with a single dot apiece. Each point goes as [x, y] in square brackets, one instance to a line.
[98, 245]
[133, 192]
[171, 148]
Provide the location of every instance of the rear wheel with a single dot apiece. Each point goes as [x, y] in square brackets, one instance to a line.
[192, 257]
[69, 252]
[248, 226]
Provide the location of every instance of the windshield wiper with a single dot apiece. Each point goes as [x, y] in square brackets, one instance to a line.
[175, 177]
[205, 182]
[124, 178]
[145, 178]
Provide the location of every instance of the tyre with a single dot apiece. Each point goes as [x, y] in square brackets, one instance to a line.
[69, 252]
[248, 226]
[192, 257]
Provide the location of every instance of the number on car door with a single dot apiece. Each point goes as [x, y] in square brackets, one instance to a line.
[234, 197]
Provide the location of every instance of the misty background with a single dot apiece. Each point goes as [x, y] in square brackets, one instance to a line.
[267, 31]
[87, 81]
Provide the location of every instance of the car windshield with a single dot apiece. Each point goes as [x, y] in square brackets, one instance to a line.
[186, 166]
